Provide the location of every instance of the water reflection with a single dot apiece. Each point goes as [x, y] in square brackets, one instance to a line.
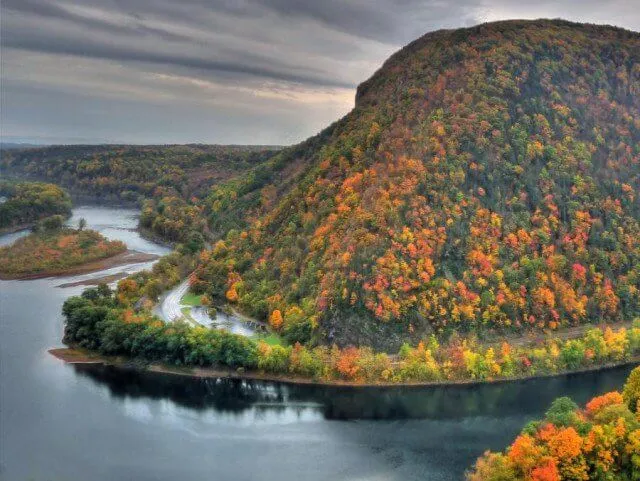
[232, 396]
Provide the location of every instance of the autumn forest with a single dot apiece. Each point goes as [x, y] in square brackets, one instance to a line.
[475, 217]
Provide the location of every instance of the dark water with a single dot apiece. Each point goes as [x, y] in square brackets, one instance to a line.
[63, 422]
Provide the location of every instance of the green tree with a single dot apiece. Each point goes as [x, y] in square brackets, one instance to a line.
[631, 392]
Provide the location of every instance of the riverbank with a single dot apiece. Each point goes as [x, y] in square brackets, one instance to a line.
[17, 228]
[96, 281]
[25, 225]
[73, 355]
[151, 236]
[124, 258]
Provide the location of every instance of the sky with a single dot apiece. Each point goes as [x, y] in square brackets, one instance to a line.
[218, 71]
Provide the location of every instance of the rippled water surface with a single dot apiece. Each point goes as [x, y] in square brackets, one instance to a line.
[63, 422]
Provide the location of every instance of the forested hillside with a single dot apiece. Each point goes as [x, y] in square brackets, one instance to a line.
[170, 177]
[486, 181]
[27, 202]
[124, 172]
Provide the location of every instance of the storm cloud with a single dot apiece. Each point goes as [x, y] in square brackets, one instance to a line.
[219, 71]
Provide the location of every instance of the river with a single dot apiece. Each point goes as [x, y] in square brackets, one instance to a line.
[65, 422]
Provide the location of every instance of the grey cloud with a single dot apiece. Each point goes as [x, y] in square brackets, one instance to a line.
[57, 27]
[381, 20]
[388, 21]
[385, 21]
[220, 70]
[54, 11]
[82, 39]
[92, 49]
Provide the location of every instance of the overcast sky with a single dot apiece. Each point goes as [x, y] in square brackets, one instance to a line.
[219, 71]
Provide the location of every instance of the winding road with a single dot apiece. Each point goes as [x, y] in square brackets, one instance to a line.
[170, 309]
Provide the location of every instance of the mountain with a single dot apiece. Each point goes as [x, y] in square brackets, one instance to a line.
[486, 181]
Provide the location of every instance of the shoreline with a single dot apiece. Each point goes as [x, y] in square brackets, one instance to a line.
[11, 229]
[71, 355]
[96, 281]
[121, 259]
[16, 228]
[149, 235]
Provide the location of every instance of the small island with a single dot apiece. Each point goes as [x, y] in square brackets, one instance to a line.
[52, 249]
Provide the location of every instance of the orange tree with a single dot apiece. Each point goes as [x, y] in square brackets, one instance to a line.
[600, 442]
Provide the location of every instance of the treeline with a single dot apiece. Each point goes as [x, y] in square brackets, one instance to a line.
[600, 442]
[121, 324]
[487, 182]
[27, 202]
[173, 175]
[54, 249]
[95, 322]
[126, 172]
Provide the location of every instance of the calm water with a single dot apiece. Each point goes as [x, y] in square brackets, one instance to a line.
[63, 422]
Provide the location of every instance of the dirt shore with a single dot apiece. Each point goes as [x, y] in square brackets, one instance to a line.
[94, 281]
[81, 356]
[124, 258]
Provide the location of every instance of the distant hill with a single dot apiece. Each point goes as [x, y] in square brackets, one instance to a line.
[14, 146]
[170, 178]
[124, 172]
[487, 180]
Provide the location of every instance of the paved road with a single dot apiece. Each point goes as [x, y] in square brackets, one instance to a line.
[171, 307]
